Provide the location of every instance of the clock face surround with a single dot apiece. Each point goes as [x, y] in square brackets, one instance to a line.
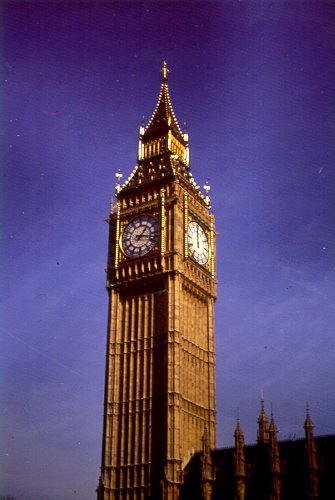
[140, 236]
[198, 243]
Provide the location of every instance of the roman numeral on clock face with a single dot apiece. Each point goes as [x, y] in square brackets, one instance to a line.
[140, 236]
[198, 243]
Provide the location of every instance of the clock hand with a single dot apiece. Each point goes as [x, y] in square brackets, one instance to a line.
[139, 236]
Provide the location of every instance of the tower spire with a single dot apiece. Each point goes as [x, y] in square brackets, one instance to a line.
[308, 422]
[207, 469]
[311, 457]
[239, 462]
[163, 132]
[263, 425]
[274, 460]
[165, 70]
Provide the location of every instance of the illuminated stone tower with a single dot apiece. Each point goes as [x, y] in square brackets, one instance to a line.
[159, 386]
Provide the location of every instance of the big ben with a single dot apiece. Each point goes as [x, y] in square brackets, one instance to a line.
[159, 386]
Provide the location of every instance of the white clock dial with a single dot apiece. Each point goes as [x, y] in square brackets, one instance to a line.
[140, 236]
[198, 243]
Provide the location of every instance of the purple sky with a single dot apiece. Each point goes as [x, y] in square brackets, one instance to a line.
[255, 83]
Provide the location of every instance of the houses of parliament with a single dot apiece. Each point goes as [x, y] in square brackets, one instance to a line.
[159, 411]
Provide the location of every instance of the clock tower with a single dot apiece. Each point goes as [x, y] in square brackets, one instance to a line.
[159, 387]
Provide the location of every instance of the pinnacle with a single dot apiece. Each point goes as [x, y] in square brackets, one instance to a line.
[308, 422]
[165, 70]
[163, 117]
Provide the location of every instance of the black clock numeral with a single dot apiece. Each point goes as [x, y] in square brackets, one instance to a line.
[198, 243]
[140, 236]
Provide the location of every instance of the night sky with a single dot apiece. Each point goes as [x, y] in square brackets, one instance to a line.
[255, 82]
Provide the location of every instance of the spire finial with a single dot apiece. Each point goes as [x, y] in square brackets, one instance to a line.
[308, 422]
[263, 424]
[262, 400]
[272, 427]
[238, 434]
[164, 72]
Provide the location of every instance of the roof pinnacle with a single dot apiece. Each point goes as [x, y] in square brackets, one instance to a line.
[163, 116]
[263, 424]
[272, 426]
[238, 434]
[164, 71]
[308, 422]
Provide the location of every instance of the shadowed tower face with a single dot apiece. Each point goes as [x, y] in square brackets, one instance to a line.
[159, 386]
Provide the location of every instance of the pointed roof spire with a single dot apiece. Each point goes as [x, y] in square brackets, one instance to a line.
[163, 117]
[207, 470]
[263, 424]
[272, 429]
[165, 70]
[272, 426]
[274, 460]
[308, 425]
[311, 457]
[239, 460]
[238, 434]
[238, 430]
[262, 415]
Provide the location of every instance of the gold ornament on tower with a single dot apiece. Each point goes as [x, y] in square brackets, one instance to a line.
[159, 388]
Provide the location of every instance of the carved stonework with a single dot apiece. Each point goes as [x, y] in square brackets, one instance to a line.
[160, 390]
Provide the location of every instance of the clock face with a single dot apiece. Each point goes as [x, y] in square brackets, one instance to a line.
[198, 243]
[140, 236]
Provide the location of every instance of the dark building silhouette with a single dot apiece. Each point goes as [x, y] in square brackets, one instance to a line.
[269, 470]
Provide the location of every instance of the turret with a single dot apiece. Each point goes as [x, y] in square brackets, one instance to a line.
[163, 135]
[239, 463]
[274, 461]
[163, 151]
[207, 468]
[311, 458]
[263, 426]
